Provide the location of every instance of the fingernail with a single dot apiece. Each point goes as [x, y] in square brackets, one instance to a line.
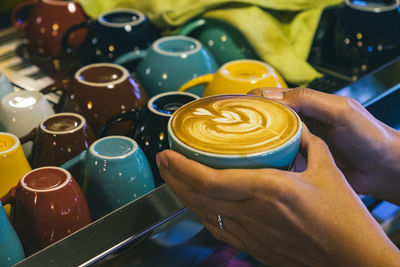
[277, 95]
[160, 159]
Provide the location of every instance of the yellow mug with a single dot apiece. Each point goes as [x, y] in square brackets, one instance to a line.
[237, 77]
[13, 164]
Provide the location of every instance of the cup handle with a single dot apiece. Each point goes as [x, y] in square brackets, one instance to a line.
[130, 56]
[78, 159]
[201, 80]
[15, 19]
[10, 198]
[131, 115]
[192, 26]
[67, 48]
[29, 137]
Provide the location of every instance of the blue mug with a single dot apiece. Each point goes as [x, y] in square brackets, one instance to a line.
[5, 85]
[11, 250]
[169, 63]
[115, 171]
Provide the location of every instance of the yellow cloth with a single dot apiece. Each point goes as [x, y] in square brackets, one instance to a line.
[280, 31]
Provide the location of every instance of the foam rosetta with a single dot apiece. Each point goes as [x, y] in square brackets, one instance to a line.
[234, 124]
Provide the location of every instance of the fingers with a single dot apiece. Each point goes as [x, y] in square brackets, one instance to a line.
[316, 151]
[233, 185]
[326, 108]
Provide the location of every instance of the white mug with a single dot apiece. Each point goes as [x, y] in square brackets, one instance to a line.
[22, 111]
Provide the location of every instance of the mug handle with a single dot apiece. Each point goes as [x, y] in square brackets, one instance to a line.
[15, 19]
[67, 48]
[130, 56]
[29, 137]
[131, 115]
[10, 198]
[192, 26]
[78, 159]
[201, 80]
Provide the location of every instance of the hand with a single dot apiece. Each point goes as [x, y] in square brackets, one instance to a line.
[366, 150]
[310, 218]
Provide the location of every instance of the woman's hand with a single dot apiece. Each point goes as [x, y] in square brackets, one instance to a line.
[309, 218]
[366, 150]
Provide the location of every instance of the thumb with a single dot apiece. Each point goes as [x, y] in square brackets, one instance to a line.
[327, 108]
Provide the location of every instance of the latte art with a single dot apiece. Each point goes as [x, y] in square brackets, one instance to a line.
[234, 124]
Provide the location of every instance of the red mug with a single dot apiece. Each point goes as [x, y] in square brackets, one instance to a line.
[100, 91]
[47, 205]
[47, 23]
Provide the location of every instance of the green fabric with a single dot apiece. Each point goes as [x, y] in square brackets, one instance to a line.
[280, 31]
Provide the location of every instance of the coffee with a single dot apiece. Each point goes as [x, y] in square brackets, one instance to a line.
[234, 124]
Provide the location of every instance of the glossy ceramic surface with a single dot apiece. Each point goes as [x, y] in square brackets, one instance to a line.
[150, 129]
[5, 85]
[225, 42]
[279, 157]
[100, 91]
[47, 23]
[170, 62]
[47, 205]
[11, 250]
[59, 138]
[13, 163]
[115, 172]
[365, 33]
[114, 33]
[22, 111]
[238, 77]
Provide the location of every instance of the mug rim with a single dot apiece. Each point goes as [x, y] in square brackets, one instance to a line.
[93, 152]
[292, 140]
[37, 95]
[176, 54]
[67, 180]
[80, 126]
[58, 3]
[154, 98]
[373, 9]
[101, 20]
[15, 146]
[124, 76]
[223, 70]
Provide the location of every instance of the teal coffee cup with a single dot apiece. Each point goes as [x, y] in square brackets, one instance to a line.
[11, 250]
[169, 63]
[236, 131]
[115, 172]
[225, 42]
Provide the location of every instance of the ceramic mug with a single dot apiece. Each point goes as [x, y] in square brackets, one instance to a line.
[237, 77]
[13, 163]
[170, 62]
[47, 205]
[113, 33]
[115, 172]
[5, 85]
[100, 91]
[59, 138]
[365, 36]
[150, 129]
[46, 24]
[22, 111]
[11, 250]
[225, 42]
[236, 131]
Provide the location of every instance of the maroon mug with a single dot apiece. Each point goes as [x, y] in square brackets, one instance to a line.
[101, 91]
[46, 206]
[47, 22]
[59, 138]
